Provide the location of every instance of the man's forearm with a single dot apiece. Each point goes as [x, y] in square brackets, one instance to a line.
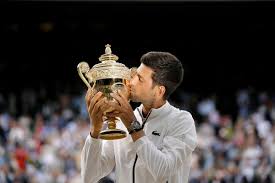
[93, 156]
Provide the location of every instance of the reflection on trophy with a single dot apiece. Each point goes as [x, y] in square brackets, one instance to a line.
[107, 77]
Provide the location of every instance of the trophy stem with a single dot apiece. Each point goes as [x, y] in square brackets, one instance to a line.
[111, 123]
[112, 133]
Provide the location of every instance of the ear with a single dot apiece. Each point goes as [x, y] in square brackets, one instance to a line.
[161, 91]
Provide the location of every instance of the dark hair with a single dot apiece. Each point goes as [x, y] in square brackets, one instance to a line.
[168, 70]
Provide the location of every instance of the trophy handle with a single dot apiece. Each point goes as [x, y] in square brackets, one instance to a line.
[117, 86]
[83, 68]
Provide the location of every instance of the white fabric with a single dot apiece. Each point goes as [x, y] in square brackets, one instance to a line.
[162, 158]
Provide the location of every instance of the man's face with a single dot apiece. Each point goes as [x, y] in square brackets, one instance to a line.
[142, 88]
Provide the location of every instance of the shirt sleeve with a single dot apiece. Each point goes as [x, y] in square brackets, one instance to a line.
[177, 146]
[97, 159]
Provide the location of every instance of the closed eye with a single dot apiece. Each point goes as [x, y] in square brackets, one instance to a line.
[139, 78]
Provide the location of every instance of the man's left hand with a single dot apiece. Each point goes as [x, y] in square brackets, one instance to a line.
[122, 108]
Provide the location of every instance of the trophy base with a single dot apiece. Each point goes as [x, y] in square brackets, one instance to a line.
[112, 134]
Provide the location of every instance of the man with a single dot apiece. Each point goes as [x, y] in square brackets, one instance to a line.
[161, 137]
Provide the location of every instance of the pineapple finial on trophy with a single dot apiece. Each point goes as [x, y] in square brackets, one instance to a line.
[108, 56]
[108, 49]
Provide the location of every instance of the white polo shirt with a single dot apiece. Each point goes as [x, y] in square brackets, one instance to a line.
[163, 155]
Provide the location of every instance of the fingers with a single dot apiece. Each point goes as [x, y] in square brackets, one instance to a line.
[122, 95]
[90, 93]
[115, 105]
[95, 99]
[119, 98]
[96, 109]
[106, 108]
[113, 114]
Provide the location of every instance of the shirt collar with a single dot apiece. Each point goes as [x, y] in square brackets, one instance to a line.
[155, 112]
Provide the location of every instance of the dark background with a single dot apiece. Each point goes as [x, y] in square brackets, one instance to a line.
[223, 45]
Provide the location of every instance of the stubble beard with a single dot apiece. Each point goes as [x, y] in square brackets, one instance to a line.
[135, 98]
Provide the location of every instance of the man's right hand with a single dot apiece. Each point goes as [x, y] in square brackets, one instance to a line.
[96, 104]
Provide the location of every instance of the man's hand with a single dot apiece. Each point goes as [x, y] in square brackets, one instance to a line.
[122, 108]
[96, 105]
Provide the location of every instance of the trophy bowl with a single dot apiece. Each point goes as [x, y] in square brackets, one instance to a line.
[107, 77]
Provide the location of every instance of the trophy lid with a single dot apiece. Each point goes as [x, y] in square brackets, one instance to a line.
[109, 67]
[108, 56]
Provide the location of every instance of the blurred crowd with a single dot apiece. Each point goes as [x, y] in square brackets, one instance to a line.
[41, 137]
[240, 149]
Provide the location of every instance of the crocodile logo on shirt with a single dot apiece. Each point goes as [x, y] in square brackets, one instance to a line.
[155, 133]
